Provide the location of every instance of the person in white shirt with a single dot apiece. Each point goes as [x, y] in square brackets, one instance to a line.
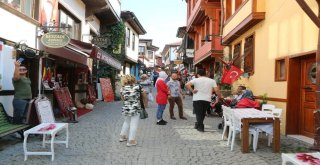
[203, 88]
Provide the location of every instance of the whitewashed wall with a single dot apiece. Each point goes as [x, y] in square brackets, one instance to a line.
[26, 31]
[133, 54]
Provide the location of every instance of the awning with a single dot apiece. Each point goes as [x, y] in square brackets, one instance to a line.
[105, 57]
[202, 58]
[96, 52]
[68, 53]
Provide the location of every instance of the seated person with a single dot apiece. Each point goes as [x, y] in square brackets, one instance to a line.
[238, 96]
[247, 100]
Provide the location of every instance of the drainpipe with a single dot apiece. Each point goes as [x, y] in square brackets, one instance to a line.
[316, 21]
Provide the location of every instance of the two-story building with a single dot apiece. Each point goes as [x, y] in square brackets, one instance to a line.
[147, 53]
[186, 49]
[171, 56]
[203, 26]
[275, 42]
[48, 66]
[133, 31]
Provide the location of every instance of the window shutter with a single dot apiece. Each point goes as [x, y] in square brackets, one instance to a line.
[249, 55]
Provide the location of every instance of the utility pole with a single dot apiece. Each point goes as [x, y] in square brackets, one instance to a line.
[316, 21]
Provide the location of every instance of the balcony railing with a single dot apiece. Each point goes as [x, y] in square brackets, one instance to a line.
[208, 48]
[194, 12]
[244, 18]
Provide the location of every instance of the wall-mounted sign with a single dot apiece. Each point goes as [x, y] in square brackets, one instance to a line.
[55, 39]
[102, 41]
[190, 53]
[177, 61]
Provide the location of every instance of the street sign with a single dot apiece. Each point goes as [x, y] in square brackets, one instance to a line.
[55, 39]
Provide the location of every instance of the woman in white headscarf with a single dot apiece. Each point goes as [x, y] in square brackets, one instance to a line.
[163, 93]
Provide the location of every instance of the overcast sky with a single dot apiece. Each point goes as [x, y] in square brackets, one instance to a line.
[160, 18]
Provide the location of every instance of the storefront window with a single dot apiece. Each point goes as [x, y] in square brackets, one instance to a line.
[69, 25]
[24, 6]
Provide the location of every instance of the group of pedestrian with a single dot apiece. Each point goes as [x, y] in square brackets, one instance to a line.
[168, 90]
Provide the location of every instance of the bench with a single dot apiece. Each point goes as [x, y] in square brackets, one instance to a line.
[5, 126]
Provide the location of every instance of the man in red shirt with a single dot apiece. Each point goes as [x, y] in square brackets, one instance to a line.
[162, 96]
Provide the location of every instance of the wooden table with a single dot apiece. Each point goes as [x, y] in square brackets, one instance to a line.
[257, 116]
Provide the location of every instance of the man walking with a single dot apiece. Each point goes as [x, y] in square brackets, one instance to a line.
[203, 88]
[175, 90]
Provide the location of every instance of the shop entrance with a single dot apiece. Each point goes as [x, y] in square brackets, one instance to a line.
[301, 95]
[308, 95]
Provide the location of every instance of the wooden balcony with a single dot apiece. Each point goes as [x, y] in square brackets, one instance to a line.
[250, 13]
[213, 49]
[199, 11]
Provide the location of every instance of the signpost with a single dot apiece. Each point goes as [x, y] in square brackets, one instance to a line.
[55, 39]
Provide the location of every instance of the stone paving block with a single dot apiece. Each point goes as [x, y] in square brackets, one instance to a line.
[94, 140]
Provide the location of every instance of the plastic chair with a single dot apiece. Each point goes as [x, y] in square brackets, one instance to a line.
[235, 128]
[276, 113]
[268, 108]
[226, 120]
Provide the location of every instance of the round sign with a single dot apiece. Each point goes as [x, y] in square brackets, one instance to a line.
[55, 39]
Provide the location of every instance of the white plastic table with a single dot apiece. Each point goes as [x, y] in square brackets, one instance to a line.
[52, 133]
[293, 159]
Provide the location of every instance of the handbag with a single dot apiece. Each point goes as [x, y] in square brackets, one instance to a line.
[150, 97]
[143, 113]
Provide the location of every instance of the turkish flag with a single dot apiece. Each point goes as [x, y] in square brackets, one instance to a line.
[231, 76]
[224, 73]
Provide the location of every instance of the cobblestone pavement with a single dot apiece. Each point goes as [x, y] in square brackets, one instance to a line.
[94, 140]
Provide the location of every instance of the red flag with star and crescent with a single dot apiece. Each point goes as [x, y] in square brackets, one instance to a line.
[231, 75]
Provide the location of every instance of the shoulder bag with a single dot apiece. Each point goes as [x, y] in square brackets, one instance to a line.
[143, 113]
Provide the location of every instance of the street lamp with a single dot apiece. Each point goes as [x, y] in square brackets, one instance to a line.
[207, 37]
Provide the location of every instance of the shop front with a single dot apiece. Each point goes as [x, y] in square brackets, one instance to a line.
[65, 67]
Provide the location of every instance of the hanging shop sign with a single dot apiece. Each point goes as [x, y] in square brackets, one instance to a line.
[55, 39]
[101, 41]
[190, 53]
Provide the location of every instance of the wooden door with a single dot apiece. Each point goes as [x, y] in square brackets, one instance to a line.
[308, 96]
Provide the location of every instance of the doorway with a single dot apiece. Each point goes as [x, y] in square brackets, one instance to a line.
[301, 95]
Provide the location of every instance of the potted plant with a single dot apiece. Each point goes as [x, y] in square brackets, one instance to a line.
[264, 99]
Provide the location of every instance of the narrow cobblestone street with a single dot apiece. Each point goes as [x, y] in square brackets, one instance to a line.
[94, 140]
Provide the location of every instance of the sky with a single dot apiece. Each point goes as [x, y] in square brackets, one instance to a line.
[160, 18]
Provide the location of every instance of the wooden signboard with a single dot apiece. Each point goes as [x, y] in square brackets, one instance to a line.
[106, 88]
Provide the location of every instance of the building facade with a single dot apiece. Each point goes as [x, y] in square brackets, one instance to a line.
[52, 67]
[203, 27]
[133, 31]
[275, 44]
[147, 54]
[171, 56]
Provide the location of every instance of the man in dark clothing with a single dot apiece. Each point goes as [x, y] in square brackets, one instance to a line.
[155, 77]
